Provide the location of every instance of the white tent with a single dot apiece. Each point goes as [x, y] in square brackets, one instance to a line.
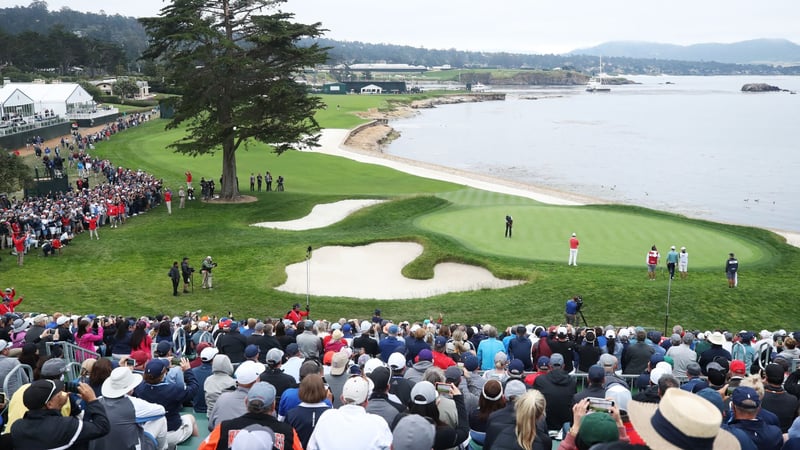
[60, 98]
[371, 89]
[14, 102]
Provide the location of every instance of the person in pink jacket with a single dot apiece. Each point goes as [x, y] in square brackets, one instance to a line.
[87, 337]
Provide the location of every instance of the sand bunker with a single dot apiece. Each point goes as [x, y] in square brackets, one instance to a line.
[373, 271]
[321, 215]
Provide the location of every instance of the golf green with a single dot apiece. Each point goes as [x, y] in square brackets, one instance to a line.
[608, 236]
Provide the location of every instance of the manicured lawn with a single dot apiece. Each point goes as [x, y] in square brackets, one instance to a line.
[609, 235]
[126, 271]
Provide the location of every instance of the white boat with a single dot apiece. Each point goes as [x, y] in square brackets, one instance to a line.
[479, 87]
[595, 83]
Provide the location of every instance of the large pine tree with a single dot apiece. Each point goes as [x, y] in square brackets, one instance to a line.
[234, 65]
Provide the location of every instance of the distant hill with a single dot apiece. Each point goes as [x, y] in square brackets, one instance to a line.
[756, 51]
[125, 32]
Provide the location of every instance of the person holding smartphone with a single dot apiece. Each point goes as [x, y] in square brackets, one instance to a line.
[424, 401]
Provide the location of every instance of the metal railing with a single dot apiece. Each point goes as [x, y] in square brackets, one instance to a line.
[19, 375]
[71, 352]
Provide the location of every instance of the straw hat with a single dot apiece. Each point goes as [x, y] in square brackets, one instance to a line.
[694, 421]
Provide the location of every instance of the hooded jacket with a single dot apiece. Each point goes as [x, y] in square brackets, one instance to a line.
[415, 372]
[220, 380]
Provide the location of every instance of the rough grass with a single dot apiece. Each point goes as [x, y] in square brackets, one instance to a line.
[126, 271]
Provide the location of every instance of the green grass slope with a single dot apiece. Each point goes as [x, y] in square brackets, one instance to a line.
[126, 271]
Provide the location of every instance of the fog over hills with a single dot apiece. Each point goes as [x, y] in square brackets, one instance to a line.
[756, 51]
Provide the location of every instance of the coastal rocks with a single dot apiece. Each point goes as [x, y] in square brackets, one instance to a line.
[454, 99]
[760, 87]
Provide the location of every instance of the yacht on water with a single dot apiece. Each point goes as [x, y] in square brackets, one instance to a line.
[595, 83]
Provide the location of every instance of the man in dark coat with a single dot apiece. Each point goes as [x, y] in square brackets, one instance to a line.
[43, 426]
[558, 389]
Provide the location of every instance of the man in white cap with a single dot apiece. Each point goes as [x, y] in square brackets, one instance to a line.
[232, 404]
[672, 261]
[133, 420]
[573, 250]
[205, 269]
[373, 432]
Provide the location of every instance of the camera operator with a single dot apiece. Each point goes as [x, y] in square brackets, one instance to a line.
[186, 271]
[206, 267]
[572, 308]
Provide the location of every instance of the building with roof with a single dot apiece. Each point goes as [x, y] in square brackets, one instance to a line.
[14, 103]
[61, 99]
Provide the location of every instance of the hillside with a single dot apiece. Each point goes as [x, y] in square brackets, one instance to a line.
[29, 33]
[756, 51]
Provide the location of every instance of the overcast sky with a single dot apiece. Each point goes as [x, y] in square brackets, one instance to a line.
[525, 26]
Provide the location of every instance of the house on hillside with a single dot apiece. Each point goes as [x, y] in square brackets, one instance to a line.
[105, 86]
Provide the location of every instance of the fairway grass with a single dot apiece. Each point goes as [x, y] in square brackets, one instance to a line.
[126, 271]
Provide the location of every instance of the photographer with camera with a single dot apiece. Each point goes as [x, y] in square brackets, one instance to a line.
[186, 271]
[205, 269]
[572, 308]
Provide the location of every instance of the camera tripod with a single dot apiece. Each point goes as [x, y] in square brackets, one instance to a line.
[583, 318]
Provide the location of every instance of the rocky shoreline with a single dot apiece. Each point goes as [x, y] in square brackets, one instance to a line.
[375, 135]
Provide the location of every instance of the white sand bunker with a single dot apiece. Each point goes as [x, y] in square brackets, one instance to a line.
[373, 271]
[321, 216]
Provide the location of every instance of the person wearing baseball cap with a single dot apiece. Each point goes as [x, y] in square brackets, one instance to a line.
[558, 388]
[746, 404]
[373, 432]
[201, 372]
[171, 396]
[43, 426]
[52, 369]
[8, 303]
[231, 404]
[273, 374]
[295, 314]
[260, 412]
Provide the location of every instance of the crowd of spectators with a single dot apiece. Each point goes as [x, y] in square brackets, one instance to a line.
[103, 195]
[404, 384]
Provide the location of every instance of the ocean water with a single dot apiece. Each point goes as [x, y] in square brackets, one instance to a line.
[691, 145]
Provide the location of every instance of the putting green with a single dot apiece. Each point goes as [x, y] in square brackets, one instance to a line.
[608, 235]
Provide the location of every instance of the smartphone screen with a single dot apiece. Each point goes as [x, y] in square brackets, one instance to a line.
[443, 388]
[600, 404]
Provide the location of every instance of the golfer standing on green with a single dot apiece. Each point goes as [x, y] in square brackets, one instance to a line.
[672, 260]
[509, 224]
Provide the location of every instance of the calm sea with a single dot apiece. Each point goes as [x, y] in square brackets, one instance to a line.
[692, 145]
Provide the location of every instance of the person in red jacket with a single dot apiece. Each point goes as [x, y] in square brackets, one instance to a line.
[188, 179]
[19, 247]
[93, 227]
[168, 201]
[295, 315]
[8, 303]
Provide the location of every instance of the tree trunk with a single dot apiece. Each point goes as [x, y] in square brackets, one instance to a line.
[230, 186]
